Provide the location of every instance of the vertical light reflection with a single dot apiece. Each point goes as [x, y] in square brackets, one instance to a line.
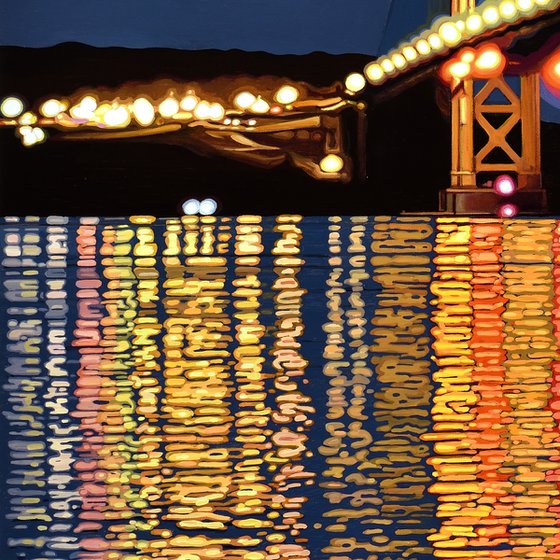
[401, 259]
[117, 413]
[531, 349]
[145, 380]
[454, 399]
[89, 383]
[293, 409]
[27, 512]
[349, 491]
[488, 432]
[252, 417]
[196, 469]
[63, 435]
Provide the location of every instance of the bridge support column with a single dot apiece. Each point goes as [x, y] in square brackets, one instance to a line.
[472, 165]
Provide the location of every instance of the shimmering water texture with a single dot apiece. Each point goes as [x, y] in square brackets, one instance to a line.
[280, 389]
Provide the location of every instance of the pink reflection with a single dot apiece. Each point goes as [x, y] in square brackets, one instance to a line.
[508, 211]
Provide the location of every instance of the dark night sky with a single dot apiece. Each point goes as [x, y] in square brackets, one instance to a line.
[276, 26]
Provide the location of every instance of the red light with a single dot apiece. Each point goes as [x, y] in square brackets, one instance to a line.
[504, 185]
[508, 211]
[551, 72]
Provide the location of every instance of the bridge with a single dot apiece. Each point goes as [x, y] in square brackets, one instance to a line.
[490, 56]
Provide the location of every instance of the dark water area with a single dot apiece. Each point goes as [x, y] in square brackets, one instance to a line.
[266, 388]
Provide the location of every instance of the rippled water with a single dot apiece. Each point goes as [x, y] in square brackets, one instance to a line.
[280, 388]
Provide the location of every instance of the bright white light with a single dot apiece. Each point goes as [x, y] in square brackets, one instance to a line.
[189, 102]
[491, 16]
[39, 134]
[11, 107]
[168, 107]
[191, 207]
[331, 164]
[216, 112]
[208, 206]
[260, 106]
[117, 116]
[89, 103]
[143, 111]
[286, 95]
[27, 118]
[374, 72]
[51, 108]
[355, 82]
[525, 5]
[244, 100]
[202, 111]
[450, 34]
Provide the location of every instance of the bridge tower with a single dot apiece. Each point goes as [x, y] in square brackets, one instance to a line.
[475, 163]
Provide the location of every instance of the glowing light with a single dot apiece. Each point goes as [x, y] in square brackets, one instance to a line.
[202, 111]
[189, 102]
[508, 211]
[89, 103]
[551, 73]
[27, 118]
[331, 164]
[374, 73]
[474, 23]
[355, 82]
[423, 47]
[208, 206]
[450, 34]
[216, 112]
[399, 60]
[490, 15]
[29, 140]
[11, 107]
[435, 42]
[459, 70]
[387, 66]
[235, 122]
[525, 5]
[191, 207]
[467, 55]
[143, 111]
[504, 185]
[31, 136]
[117, 116]
[251, 122]
[51, 108]
[244, 100]
[410, 53]
[287, 95]
[39, 134]
[490, 62]
[168, 107]
[508, 9]
[260, 106]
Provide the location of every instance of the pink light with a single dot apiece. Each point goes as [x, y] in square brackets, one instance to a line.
[508, 211]
[504, 185]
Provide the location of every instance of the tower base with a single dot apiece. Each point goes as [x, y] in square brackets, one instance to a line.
[484, 200]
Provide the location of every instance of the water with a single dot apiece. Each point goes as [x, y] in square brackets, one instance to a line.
[280, 388]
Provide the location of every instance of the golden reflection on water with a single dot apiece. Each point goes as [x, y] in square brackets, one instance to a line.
[171, 393]
[494, 434]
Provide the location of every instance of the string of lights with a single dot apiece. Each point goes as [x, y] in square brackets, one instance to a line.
[447, 33]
